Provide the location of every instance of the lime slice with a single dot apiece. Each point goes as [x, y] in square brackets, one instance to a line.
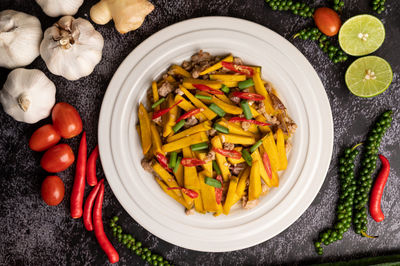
[368, 76]
[361, 35]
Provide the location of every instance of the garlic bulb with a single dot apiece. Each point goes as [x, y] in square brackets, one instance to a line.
[71, 48]
[20, 36]
[55, 8]
[28, 95]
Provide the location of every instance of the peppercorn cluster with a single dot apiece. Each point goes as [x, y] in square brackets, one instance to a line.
[368, 165]
[136, 246]
[345, 206]
[378, 6]
[338, 5]
[296, 8]
[335, 54]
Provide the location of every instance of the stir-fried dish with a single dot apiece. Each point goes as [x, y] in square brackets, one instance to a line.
[215, 133]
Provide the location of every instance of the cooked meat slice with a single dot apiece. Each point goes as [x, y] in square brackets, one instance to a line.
[250, 204]
[235, 99]
[245, 90]
[178, 91]
[196, 72]
[264, 189]
[237, 60]
[210, 156]
[276, 102]
[237, 168]
[147, 165]
[292, 128]
[229, 146]
[200, 56]
[211, 132]
[288, 146]
[165, 88]
[261, 109]
[191, 121]
[268, 87]
[187, 65]
[158, 120]
[245, 125]
[189, 212]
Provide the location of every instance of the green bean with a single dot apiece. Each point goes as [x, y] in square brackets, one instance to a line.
[203, 97]
[157, 103]
[212, 182]
[246, 109]
[178, 162]
[172, 159]
[245, 84]
[225, 89]
[221, 129]
[216, 167]
[178, 126]
[216, 109]
[247, 157]
[255, 146]
[199, 146]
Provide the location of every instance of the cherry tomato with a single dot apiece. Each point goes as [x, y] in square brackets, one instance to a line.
[57, 158]
[66, 120]
[52, 190]
[43, 138]
[327, 21]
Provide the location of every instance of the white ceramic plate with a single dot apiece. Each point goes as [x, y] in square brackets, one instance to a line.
[297, 84]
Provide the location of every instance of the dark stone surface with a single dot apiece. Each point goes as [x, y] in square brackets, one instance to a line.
[35, 234]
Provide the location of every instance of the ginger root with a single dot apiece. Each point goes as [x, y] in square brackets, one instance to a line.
[127, 14]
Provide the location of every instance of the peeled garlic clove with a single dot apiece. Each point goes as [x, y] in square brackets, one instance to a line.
[20, 36]
[55, 8]
[71, 48]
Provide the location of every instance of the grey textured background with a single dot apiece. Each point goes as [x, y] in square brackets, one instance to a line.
[32, 233]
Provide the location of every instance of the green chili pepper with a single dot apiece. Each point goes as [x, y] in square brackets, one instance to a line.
[225, 88]
[245, 84]
[199, 146]
[212, 182]
[216, 109]
[221, 129]
[172, 159]
[203, 97]
[178, 126]
[247, 157]
[246, 109]
[255, 146]
[157, 103]
[216, 167]
[178, 162]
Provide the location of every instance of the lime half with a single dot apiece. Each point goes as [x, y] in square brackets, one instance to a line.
[368, 76]
[361, 35]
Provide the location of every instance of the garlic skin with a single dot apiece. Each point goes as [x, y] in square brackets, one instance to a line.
[28, 95]
[20, 36]
[71, 48]
[56, 8]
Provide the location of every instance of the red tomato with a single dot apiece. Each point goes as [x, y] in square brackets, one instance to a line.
[52, 190]
[327, 21]
[66, 120]
[43, 138]
[57, 158]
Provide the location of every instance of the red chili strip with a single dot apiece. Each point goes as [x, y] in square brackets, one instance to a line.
[163, 161]
[377, 191]
[91, 167]
[166, 110]
[228, 153]
[242, 119]
[245, 70]
[87, 210]
[190, 113]
[248, 96]
[104, 243]
[267, 165]
[189, 192]
[78, 189]
[218, 191]
[205, 88]
[192, 162]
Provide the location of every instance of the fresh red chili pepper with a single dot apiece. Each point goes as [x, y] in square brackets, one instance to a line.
[245, 70]
[228, 153]
[104, 243]
[377, 191]
[267, 165]
[78, 189]
[190, 113]
[87, 210]
[191, 162]
[205, 88]
[242, 119]
[248, 96]
[166, 110]
[218, 191]
[163, 161]
[189, 192]
[91, 167]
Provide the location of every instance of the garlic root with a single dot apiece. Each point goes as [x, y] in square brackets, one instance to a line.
[128, 15]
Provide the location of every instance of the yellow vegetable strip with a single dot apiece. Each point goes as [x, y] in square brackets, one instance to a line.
[185, 142]
[272, 151]
[155, 94]
[155, 139]
[219, 210]
[236, 161]
[208, 171]
[188, 83]
[228, 108]
[191, 179]
[231, 195]
[217, 65]
[255, 181]
[224, 98]
[206, 125]
[199, 104]
[251, 89]
[263, 173]
[171, 117]
[138, 131]
[244, 175]
[254, 112]
[237, 139]
[145, 134]
[171, 193]
[260, 89]
[224, 77]
[231, 84]
[180, 71]
[280, 144]
[166, 177]
[275, 179]
[221, 160]
[187, 106]
[208, 194]
[179, 175]
[235, 128]
[263, 129]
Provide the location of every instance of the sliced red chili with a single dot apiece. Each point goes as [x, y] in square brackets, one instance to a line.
[205, 88]
[164, 111]
[242, 119]
[192, 162]
[245, 70]
[189, 192]
[218, 191]
[228, 153]
[163, 161]
[190, 113]
[267, 165]
[248, 96]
